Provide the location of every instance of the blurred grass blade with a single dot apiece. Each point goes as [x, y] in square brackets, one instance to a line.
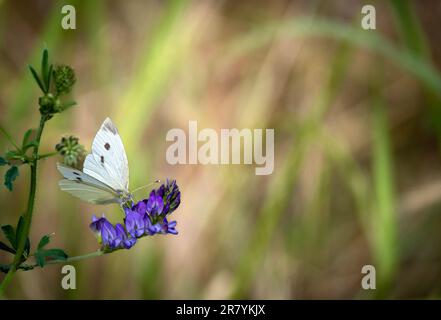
[384, 220]
[409, 27]
[162, 53]
[303, 27]
[97, 22]
[284, 181]
[154, 67]
[268, 220]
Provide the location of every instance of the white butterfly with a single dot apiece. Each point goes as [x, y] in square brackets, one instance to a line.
[105, 176]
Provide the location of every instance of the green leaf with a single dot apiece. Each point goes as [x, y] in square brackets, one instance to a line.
[19, 231]
[26, 137]
[3, 161]
[49, 77]
[67, 105]
[9, 233]
[31, 144]
[10, 177]
[27, 248]
[55, 254]
[13, 155]
[51, 254]
[5, 268]
[5, 247]
[39, 257]
[37, 79]
[44, 241]
[25, 267]
[45, 69]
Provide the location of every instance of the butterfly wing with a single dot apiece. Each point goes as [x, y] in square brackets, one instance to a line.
[85, 187]
[107, 162]
[87, 192]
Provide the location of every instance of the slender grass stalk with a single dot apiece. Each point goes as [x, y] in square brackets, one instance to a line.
[383, 217]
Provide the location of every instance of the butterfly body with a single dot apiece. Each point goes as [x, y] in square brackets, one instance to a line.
[105, 175]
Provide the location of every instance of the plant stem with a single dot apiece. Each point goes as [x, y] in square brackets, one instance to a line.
[30, 208]
[93, 254]
[78, 258]
[47, 155]
[73, 259]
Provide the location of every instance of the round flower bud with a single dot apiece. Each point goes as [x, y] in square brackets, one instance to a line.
[64, 79]
[71, 150]
[47, 104]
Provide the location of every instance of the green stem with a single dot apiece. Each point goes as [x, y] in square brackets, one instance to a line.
[78, 258]
[75, 258]
[93, 254]
[47, 155]
[28, 215]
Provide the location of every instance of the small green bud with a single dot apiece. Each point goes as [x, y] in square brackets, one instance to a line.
[57, 106]
[64, 79]
[71, 150]
[47, 104]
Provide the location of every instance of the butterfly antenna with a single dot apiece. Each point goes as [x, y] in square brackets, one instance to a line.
[147, 185]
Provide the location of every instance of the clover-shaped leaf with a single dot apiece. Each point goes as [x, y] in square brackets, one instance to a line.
[10, 177]
[42, 254]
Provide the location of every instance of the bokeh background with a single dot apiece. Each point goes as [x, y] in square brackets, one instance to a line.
[357, 119]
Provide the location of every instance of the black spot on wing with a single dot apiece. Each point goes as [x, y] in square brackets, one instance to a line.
[79, 179]
[76, 173]
[107, 146]
[102, 159]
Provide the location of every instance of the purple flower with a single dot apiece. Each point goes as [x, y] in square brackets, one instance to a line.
[110, 237]
[169, 227]
[151, 228]
[140, 207]
[135, 223]
[155, 204]
[97, 224]
[162, 201]
[172, 196]
[127, 242]
[147, 217]
[162, 227]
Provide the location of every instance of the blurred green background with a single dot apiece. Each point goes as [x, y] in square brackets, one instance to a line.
[357, 119]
